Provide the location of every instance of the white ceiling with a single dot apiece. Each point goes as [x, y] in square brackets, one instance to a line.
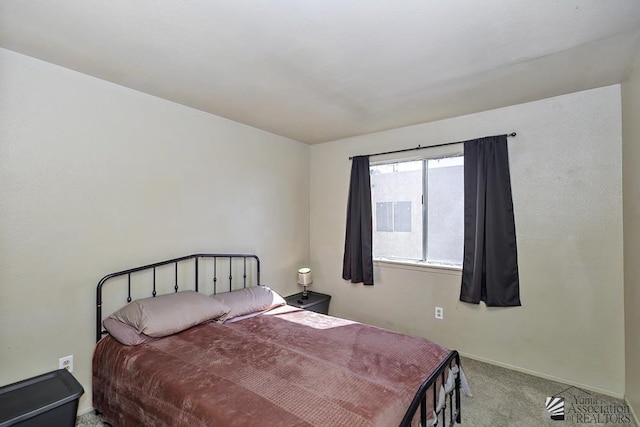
[321, 70]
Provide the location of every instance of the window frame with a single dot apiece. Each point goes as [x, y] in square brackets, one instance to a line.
[410, 264]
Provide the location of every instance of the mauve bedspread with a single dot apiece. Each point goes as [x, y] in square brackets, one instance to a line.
[288, 367]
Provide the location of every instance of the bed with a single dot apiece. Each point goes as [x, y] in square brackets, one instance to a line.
[257, 363]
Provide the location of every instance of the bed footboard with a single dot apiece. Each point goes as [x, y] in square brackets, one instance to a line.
[434, 388]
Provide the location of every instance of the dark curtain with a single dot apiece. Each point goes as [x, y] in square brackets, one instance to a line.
[358, 246]
[490, 263]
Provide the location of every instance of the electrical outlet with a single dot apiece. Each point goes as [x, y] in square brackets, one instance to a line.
[439, 313]
[66, 363]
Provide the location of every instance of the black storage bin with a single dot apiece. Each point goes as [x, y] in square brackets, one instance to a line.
[50, 399]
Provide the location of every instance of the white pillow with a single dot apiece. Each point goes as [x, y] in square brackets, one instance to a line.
[171, 313]
[255, 299]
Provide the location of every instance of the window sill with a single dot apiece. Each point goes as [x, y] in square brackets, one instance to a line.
[419, 266]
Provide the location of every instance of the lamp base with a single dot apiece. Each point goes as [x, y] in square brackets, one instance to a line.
[305, 293]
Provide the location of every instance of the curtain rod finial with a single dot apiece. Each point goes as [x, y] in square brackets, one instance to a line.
[512, 134]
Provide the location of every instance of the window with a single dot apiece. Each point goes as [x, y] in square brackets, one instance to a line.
[419, 210]
[393, 216]
[383, 216]
[402, 216]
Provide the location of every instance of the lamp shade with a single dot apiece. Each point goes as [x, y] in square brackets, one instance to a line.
[304, 277]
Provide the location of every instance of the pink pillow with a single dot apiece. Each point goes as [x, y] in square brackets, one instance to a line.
[252, 300]
[124, 333]
[170, 313]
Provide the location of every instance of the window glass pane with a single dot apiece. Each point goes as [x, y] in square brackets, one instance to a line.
[392, 183]
[445, 210]
[384, 216]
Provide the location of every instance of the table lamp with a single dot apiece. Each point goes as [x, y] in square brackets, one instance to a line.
[304, 280]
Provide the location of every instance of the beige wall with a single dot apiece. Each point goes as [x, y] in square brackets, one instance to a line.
[567, 188]
[96, 177]
[631, 191]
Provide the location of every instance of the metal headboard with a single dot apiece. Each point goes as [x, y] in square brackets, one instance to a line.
[225, 258]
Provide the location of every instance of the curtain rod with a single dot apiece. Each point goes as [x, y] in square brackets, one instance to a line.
[419, 147]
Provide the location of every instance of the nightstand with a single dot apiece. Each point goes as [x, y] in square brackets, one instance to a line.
[316, 302]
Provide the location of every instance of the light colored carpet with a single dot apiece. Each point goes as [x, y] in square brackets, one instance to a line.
[506, 398]
[503, 397]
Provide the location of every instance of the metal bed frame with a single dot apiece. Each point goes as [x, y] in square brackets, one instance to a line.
[438, 376]
[420, 399]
